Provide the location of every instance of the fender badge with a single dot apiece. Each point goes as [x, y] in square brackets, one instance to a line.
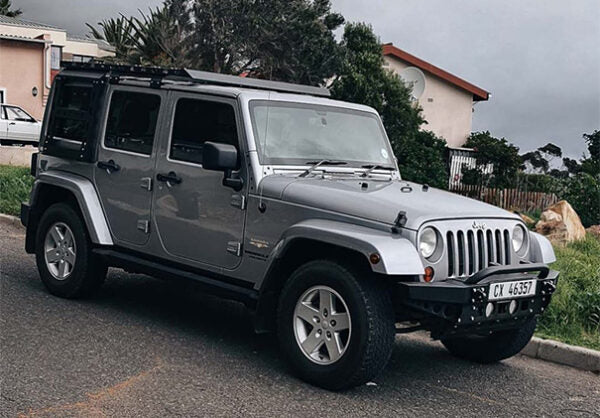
[259, 243]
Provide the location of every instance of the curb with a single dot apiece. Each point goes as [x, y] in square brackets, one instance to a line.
[561, 353]
[10, 220]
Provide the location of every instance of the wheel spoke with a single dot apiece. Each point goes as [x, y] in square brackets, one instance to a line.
[68, 238]
[70, 257]
[325, 301]
[56, 235]
[341, 321]
[52, 256]
[62, 268]
[313, 341]
[306, 312]
[333, 349]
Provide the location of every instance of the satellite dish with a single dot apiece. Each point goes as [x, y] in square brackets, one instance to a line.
[414, 78]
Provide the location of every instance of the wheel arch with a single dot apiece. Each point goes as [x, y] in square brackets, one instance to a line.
[52, 187]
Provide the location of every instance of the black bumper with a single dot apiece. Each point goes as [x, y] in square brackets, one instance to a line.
[459, 306]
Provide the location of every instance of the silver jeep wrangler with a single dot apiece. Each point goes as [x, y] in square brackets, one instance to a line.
[279, 197]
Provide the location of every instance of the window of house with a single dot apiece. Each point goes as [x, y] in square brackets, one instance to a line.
[70, 117]
[81, 58]
[56, 57]
[132, 121]
[199, 121]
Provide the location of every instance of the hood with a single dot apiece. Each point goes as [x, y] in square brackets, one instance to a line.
[378, 200]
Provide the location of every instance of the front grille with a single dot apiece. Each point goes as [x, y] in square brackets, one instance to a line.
[471, 251]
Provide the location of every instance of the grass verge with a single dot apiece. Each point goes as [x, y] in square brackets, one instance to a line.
[15, 185]
[574, 313]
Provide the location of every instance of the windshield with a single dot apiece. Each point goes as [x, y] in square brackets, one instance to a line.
[299, 133]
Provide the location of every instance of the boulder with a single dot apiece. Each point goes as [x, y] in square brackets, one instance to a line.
[560, 224]
[594, 230]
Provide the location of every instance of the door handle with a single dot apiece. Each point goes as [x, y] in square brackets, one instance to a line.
[170, 178]
[109, 166]
[12, 123]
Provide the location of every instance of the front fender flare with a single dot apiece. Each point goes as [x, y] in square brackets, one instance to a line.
[398, 255]
[87, 198]
[541, 249]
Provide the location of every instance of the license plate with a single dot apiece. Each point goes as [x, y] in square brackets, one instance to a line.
[511, 290]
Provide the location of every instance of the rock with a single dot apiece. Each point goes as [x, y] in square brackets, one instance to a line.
[594, 230]
[560, 224]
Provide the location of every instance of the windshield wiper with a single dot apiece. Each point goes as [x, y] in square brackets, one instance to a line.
[372, 167]
[317, 164]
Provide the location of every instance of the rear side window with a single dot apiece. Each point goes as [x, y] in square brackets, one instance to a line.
[71, 113]
[132, 121]
[198, 121]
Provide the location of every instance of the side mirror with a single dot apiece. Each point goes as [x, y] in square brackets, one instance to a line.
[222, 157]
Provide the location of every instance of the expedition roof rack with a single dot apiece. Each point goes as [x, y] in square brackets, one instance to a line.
[159, 74]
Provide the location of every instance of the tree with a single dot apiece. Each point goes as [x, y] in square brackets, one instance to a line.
[541, 159]
[591, 164]
[362, 79]
[503, 155]
[118, 33]
[5, 9]
[287, 40]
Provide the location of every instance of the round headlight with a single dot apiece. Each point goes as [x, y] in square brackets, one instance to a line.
[428, 242]
[518, 238]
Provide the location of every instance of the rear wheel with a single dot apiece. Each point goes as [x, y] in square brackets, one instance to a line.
[335, 324]
[64, 257]
[492, 348]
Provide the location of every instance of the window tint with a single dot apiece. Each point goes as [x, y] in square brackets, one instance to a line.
[71, 117]
[199, 121]
[132, 121]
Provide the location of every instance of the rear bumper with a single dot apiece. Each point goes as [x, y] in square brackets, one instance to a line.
[454, 307]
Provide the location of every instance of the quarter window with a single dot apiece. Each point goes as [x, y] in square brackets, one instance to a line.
[71, 112]
[132, 121]
[199, 121]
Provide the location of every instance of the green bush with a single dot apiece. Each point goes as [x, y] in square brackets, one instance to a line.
[582, 191]
[574, 313]
[15, 185]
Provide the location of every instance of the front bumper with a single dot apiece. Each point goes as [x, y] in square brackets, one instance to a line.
[454, 307]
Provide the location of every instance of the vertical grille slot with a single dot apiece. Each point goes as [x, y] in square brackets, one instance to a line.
[471, 251]
[481, 259]
[507, 246]
[461, 253]
[499, 247]
[450, 237]
[491, 253]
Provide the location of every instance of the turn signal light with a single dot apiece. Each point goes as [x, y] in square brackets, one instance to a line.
[374, 258]
[428, 274]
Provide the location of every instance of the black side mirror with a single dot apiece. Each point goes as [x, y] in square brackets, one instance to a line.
[222, 157]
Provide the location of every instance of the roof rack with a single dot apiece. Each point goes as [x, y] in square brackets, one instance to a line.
[193, 76]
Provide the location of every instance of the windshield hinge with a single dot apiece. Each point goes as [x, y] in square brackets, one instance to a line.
[235, 248]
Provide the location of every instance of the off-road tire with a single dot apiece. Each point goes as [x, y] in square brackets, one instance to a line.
[495, 347]
[88, 272]
[372, 322]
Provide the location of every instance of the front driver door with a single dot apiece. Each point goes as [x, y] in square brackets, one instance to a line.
[21, 126]
[125, 168]
[198, 218]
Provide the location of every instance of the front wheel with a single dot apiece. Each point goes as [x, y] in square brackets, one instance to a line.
[491, 348]
[335, 324]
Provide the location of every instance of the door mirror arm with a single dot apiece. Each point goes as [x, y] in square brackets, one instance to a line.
[230, 179]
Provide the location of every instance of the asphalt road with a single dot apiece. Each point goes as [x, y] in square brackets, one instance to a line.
[145, 347]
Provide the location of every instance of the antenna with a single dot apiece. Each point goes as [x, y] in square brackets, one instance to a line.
[415, 79]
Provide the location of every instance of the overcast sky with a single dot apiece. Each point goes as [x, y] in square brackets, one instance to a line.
[540, 59]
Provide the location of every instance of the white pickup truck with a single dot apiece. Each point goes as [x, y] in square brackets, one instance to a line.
[18, 127]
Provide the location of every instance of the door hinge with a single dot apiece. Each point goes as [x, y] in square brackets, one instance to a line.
[234, 247]
[146, 183]
[143, 225]
[238, 201]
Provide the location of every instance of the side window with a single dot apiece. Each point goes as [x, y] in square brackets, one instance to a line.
[198, 121]
[132, 121]
[16, 113]
[71, 112]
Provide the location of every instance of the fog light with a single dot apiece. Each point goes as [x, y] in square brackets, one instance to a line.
[512, 308]
[489, 309]
[428, 274]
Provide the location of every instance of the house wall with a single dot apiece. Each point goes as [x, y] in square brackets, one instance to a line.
[447, 109]
[21, 69]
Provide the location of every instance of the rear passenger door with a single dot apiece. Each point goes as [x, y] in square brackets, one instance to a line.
[125, 168]
[198, 219]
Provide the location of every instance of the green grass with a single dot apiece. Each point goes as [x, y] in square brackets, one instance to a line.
[574, 313]
[572, 317]
[15, 185]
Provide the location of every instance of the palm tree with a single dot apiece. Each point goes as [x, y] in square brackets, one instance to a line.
[5, 9]
[117, 32]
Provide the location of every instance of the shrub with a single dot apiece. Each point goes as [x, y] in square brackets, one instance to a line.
[15, 185]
